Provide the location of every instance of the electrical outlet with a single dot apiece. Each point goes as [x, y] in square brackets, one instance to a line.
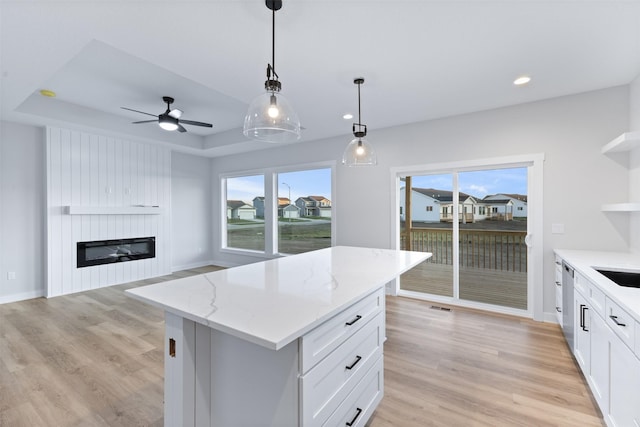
[11, 275]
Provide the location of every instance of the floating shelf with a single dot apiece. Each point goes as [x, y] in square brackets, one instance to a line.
[113, 210]
[621, 207]
[625, 142]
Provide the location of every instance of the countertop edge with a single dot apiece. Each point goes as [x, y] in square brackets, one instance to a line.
[584, 262]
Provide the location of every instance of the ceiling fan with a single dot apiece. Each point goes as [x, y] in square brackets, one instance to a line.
[170, 119]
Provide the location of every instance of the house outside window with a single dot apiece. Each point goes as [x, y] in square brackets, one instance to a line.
[245, 212]
[292, 206]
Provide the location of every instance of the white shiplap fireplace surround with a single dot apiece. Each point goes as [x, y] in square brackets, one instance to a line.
[102, 188]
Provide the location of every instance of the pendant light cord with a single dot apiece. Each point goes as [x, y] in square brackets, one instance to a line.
[359, 115]
[273, 40]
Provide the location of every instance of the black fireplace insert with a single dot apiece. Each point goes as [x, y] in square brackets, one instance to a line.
[100, 252]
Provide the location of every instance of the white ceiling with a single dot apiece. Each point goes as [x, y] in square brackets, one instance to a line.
[421, 60]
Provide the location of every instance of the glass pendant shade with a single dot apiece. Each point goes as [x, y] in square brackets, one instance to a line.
[359, 153]
[270, 118]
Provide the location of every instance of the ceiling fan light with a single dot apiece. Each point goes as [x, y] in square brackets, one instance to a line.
[168, 123]
[270, 118]
[359, 152]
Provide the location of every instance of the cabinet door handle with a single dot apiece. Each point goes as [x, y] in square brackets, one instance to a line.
[615, 320]
[558, 284]
[358, 358]
[350, 423]
[558, 310]
[583, 308]
[358, 317]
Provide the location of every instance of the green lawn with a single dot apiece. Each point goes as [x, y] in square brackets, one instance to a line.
[294, 237]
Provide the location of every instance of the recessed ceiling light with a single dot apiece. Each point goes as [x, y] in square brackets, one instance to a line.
[348, 116]
[523, 80]
[48, 93]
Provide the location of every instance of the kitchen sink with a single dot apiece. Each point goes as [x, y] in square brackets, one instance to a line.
[622, 278]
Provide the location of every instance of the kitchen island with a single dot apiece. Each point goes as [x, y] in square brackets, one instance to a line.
[294, 341]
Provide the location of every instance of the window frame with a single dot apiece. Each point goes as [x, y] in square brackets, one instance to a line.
[270, 206]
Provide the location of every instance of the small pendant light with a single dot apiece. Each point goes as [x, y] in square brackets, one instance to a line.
[270, 118]
[359, 152]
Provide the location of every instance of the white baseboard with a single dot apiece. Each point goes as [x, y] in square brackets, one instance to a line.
[227, 264]
[189, 266]
[550, 318]
[21, 296]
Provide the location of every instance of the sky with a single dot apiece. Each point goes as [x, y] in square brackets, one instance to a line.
[478, 183]
[316, 182]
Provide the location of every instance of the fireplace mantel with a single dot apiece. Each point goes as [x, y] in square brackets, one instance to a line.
[113, 210]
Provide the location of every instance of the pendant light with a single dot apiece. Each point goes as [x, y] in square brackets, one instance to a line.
[359, 152]
[270, 118]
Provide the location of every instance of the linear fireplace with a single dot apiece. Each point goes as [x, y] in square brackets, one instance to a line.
[100, 252]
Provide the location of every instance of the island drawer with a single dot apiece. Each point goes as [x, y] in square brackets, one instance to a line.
[621, 322]
[327, 385]
[358, 407]
[317, 344]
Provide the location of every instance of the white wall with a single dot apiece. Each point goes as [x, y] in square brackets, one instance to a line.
[570, 131]
[22, 197]
[634, 164]
[192, 216]
[92, 170]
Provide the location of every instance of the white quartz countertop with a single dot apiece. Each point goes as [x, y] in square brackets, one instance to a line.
[586, 262]
[272, 303]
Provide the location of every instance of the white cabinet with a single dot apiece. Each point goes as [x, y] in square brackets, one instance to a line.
[558, 288]
[599, 360]
[605, 340]
[624, 410]
[349, 361]
[592, 338]
[582, 337]
[334, 371]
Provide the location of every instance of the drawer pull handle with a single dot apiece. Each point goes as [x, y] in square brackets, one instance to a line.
[358, 358]
[350, 423]
[358, 317]
[615, 320]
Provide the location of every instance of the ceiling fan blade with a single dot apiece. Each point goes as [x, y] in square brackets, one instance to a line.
[175, 113]
[138, 111]
[181, 128]
[191, 122]
[145, 121]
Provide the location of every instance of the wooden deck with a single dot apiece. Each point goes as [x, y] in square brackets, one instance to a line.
[497, 287]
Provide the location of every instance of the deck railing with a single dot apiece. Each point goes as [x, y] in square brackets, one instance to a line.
[487, 249]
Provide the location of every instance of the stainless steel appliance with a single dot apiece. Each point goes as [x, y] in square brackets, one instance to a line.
[567, 303]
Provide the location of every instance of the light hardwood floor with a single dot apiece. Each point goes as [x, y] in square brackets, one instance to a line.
[95, 359]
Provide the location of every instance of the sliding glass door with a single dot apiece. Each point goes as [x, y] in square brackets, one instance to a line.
[425, 226]
[474, 222]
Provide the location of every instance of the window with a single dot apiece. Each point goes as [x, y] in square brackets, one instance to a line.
[293, 209]
[429, 208]
[304, 210]
[245, 212]
[519, 208]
